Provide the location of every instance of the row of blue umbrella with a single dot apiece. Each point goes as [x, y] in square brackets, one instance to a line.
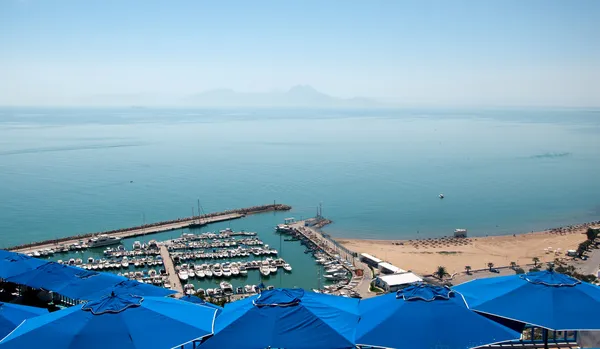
[69, 281]
[421, 316]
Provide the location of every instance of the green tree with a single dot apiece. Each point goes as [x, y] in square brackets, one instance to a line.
[535, 260]
[513, 265]
[441, 272]
[490, 265]
[468, 269]
[591, 234]
[519, 271]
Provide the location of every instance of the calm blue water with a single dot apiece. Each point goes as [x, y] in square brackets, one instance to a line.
[377, 173]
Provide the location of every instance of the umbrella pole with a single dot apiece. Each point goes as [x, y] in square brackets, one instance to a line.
[545, 335]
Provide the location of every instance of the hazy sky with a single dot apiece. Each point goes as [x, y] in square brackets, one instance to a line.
[539, 52]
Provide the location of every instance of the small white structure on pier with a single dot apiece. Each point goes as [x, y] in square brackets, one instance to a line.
[387, 268]
[460, 233]
[290, 220]
[395, 282]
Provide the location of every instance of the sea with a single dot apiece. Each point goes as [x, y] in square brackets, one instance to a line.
[376, 173]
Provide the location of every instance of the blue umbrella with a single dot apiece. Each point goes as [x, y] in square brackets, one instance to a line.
[12, 264]
[116, 321]
[544, 299]
[425, 316]
[72, 282]
[286, 318]
[198, 300]
[12, 315]
[132, 287]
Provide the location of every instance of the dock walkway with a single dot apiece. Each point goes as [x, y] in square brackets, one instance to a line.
[170, 269]
[155, 227]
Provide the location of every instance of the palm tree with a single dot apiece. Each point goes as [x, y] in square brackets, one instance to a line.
[535, 260]
[468, 269]
[441, 272]
[513, 265]
[490, 265]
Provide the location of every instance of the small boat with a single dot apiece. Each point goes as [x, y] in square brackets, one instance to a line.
[210, 291]
[249, 288]
[167, 284]
[189, 289]
[200, 292]
[125, 262]
[226, 287]
[183, 275]
[287, 267]
[243, 270]
[217, 271]
[273, 269]
[264, 270]
[200, 273]
[441, 196]
[191, 273]
[137, 245]
[239, 290]
[226, 272]
[90, 260]
[152, 272]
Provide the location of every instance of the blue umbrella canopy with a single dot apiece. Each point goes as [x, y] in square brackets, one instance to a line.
[286, 318]
[116, 321]
[198, 300]
[12, 315]
[545, 299]
[131, 287]
[12, 264]
[69, 281]
[426, 316]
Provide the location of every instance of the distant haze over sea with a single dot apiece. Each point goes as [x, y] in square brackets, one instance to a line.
[297, 96]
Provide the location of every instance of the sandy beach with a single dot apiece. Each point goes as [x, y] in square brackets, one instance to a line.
[425, 255]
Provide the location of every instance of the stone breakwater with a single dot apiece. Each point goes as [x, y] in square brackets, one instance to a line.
[193, 220]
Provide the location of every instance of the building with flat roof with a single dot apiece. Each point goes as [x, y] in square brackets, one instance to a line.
[370, 260]
[387, 268]
[395, 282]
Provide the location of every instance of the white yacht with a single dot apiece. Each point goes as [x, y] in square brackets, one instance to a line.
[264, 270]
[189, 289]
[103, 240]
[125, 262]
[137, 245]
[243, 270]
[226, 271]
[249, 288]
[208, 273]
[273, 268]
[217, 271]
[226, 287]
[235, 270]
[200, 273]
[183, 275]
[191, 273]
[287, 267]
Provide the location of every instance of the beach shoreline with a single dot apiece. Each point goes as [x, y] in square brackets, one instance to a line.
[423, 256]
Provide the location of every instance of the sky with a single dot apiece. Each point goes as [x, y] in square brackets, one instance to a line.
[432, 53]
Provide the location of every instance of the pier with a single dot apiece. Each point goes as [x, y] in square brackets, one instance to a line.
[170, 269]
[153, 228]
[361, 274]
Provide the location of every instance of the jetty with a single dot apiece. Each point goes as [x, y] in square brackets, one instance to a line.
[170, 269]
[152, 228]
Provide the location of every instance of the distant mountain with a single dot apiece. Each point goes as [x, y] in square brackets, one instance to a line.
[297, 96]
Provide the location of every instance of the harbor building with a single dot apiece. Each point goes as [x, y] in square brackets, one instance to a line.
[395, 282]
[370, 260]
